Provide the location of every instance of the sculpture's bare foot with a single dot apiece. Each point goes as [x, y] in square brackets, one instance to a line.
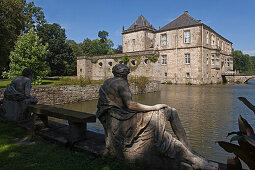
[201, 163]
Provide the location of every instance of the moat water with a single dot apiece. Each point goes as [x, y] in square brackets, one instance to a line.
[207, 112]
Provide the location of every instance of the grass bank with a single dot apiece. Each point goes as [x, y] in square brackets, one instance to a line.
[40, 154]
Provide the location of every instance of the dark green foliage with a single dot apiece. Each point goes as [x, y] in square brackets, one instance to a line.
[95, 47]
[94, 60]
[125, 58]
[242, 62]
[11, 23]
[61, 58]
[17, 16]
[153, 58]
[246, 140]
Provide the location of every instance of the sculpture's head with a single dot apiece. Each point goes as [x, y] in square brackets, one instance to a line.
[28, 72]
[121, 70]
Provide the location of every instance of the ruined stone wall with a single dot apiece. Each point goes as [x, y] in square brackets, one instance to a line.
[74, 93]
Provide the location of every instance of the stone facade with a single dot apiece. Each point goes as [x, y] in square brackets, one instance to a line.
[188, 51]
[75, 93]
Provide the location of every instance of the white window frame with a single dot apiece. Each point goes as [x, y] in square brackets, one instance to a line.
[213, 60]
[212, 40]
[207, 37]
[163, 59]
[163, 40]
[222, 45]
[133, 41]
[186, 36]
[187, 58]
[188, 75]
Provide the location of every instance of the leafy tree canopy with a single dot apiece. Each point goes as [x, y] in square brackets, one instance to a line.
[61, 57]
[17, 17]
[242, 62]
[29, 52]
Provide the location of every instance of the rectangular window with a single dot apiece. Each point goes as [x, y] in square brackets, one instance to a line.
[207, 59]
[213, 61]
[218, 43]
[187, 36]
[207, 37]
[133, 41]
[187, 58]
[163, 39]
[212, 40]
[163, 59]
[228, 63]
[188, 75]
[222, 48]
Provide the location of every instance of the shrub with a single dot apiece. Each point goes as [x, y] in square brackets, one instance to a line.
[139, 81]
[153, 58]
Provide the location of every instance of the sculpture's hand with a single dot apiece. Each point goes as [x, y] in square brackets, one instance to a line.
[160, 106]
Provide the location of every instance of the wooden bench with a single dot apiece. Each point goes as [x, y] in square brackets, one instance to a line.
[77, 120]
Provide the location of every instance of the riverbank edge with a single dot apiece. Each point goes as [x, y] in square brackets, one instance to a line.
[74, 93]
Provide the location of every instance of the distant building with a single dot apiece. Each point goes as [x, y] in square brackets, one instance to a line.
[187, 50]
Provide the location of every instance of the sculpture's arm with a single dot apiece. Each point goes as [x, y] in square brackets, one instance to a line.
[130, 104]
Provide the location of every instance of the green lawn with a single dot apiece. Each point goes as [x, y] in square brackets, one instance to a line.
[44, 155]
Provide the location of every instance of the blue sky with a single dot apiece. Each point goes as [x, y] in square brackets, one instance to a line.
[233, 19]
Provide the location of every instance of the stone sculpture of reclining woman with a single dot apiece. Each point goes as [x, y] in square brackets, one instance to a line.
[136, 132]
[17, 97]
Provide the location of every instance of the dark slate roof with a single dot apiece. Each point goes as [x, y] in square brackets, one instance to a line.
[140, 22]
[185, 20]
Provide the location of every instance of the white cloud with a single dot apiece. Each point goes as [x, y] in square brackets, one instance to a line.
[250, 52]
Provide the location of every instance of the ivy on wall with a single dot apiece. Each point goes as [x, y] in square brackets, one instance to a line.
[153, 58]
[94, 60]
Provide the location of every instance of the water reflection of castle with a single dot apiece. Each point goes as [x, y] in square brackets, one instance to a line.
[188, 51]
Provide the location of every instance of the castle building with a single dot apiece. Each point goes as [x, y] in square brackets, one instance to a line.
[185, 51]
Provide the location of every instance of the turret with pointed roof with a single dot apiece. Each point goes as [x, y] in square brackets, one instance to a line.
[140, 24]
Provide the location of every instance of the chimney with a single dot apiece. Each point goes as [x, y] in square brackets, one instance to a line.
[186, 12]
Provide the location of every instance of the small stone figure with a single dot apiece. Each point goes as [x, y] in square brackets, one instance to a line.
[136, 132]
[17, 97]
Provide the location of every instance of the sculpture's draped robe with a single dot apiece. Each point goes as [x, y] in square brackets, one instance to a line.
[132, 135]
[16, 98]
[141, 137]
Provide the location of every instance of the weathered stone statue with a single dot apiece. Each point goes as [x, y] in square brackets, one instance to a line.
[136, 132]
[17, 97]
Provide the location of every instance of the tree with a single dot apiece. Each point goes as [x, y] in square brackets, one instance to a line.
[118, 50]
[11, 22]
[242, 62]
[17, 17]
[61, 58]
[29, 52]
[96, 47]
[34, 16]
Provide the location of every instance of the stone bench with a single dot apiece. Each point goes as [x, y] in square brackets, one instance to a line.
[77, 120]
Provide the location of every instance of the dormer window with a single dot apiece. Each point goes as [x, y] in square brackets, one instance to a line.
[187, 36]
[163, 39]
